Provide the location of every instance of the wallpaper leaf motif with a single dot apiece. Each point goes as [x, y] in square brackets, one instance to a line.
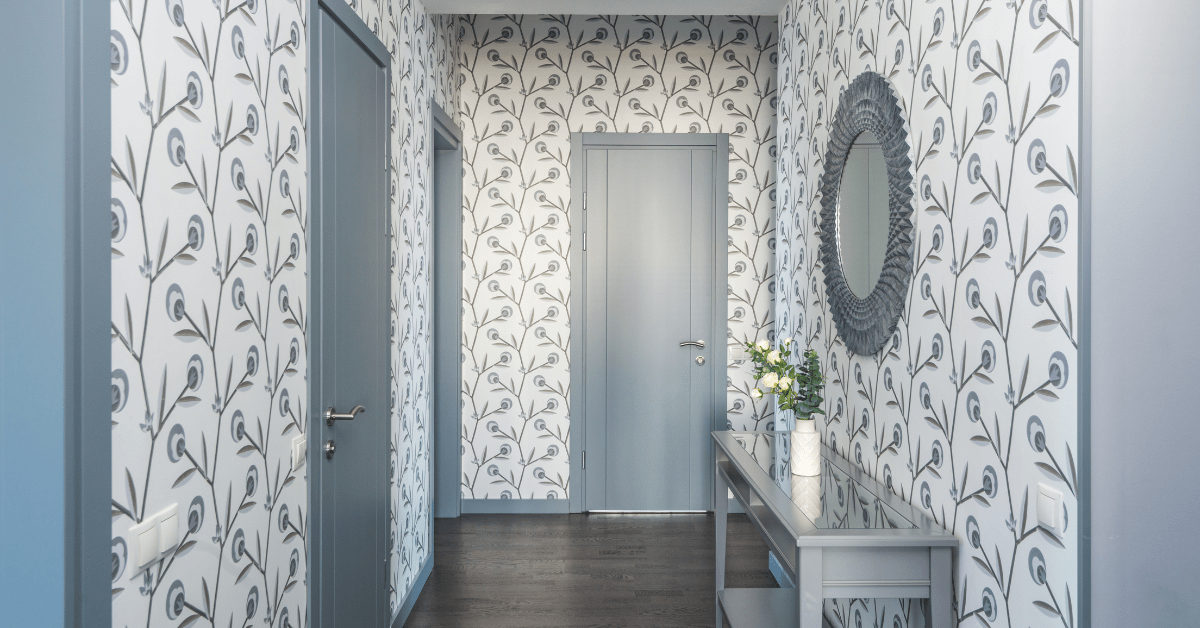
[210, 218]
[988, 329]
[209, 317]
[527, 82]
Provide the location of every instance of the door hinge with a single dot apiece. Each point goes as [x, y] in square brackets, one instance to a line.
[585, 220]
[585, 460]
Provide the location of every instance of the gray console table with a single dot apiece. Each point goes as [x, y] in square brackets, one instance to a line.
[837, 535]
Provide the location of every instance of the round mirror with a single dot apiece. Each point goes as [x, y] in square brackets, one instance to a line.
[866, 214]
[862, 215]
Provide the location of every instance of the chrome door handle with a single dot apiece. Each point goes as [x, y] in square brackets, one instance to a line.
[331, 415]
[692, 343]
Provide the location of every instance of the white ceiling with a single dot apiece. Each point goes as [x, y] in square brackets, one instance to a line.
[608, 7]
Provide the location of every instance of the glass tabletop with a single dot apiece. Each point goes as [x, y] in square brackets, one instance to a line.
[833, 499]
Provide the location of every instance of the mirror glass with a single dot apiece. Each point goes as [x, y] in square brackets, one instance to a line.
[862, 215]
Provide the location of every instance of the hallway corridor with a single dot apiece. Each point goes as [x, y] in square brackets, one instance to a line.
[628, 571]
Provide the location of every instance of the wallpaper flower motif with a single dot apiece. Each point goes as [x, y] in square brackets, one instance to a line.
[527, 83]
[972, 404]
[209, 251]
[209, 217]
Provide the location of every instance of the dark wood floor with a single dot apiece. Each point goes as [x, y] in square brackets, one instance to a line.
[627, 571]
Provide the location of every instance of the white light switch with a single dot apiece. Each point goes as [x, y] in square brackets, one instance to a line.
[737, 354]
[155, 535]
[299, 452]
[1048, 506]
[147, 546]
[168, 533]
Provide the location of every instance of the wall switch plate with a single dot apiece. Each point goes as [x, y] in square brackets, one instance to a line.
[1049, 504]
[737, 354]
[155, 536]
[299, 452]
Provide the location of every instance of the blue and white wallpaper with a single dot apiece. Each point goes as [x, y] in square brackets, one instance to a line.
[968, 410]
[974, 403]
[210, 302]
[527, 83]
[210, 308]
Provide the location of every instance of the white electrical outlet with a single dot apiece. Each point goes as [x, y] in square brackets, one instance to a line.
[1049, 505]
[299, 452]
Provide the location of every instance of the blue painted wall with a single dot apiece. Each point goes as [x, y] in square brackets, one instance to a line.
[54, 341]
[32, 314]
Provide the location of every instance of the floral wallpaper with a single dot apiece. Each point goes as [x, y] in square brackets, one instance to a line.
[973, 403]
[528, 82]
[209, 322]
[423, 48]
[210, 308]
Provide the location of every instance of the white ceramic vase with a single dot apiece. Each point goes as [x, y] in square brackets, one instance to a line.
[806, 448]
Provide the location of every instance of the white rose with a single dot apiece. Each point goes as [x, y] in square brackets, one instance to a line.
[787, 341]
[756, 393]
[785, 382]
[763, 345]
[773, 357]
[770, 380]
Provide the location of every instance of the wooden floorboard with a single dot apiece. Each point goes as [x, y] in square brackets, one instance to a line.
[583, 571]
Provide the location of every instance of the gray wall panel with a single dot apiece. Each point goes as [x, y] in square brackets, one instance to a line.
[1145, 292]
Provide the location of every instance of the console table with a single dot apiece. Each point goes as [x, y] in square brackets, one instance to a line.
[837, 535]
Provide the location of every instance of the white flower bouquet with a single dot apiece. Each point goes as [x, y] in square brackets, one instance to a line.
[798, 387]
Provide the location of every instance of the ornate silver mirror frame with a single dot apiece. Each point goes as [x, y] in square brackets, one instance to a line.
[869, 104]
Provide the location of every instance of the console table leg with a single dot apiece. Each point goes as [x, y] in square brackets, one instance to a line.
[721, 512]
[940, 589]
[810, 586]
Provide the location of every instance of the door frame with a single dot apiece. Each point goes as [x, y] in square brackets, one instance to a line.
[446, 320]
[353, 25]
[581, 142]
[55, 344]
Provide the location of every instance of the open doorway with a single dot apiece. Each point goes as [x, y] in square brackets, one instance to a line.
[447, 311]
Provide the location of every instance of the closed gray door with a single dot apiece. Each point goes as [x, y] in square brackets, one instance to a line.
[649, 214]
[351, 302]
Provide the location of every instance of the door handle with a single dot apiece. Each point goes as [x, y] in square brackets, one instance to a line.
[692, 343]
[332, 415]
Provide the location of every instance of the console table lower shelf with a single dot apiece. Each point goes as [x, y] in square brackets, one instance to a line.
[838, 535]
[760, 607]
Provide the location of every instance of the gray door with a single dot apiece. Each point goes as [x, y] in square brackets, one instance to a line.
[350, 328]
[649, 274]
